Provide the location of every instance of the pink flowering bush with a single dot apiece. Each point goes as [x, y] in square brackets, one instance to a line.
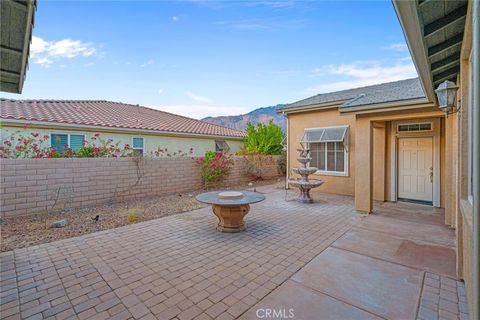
[163, 152]
[99, 147]
[34, 145]
[214, 166]
[27, 146]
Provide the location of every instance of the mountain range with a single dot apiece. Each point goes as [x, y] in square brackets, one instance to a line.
[260, 115]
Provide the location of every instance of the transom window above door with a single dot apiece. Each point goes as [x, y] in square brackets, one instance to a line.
[328, 149]
[414, 127]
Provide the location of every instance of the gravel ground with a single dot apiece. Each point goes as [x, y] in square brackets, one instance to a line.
[25, 231]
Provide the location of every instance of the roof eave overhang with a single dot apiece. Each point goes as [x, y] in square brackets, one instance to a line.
[60, 125]
[407, 13]
[6, 82]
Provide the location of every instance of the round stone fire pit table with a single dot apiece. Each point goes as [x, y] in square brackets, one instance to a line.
[230, 207]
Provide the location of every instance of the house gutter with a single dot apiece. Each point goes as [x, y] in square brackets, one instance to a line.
[476, 159]
[18, 123]
[389, 106]
[313, 107]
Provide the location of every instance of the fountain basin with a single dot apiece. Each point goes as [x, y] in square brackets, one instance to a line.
[304, 161]
[304, 186]
[310, 184]
[304, 171]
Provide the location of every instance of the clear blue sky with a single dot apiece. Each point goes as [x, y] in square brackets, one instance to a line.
[200, 58]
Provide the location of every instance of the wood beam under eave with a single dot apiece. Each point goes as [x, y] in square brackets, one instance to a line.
[10, 73]
[11, 50]
[453, 79]
[449, 61]
[445, 45]
[446, 74]
[445, 21]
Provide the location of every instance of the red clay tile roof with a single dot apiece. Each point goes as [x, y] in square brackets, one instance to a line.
[109, 114]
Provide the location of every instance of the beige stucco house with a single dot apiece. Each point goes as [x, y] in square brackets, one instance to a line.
[392, 142]
[70, 122]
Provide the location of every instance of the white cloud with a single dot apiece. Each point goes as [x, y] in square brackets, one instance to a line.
[45, 52]
[200, 111]
[90, 64]
[160, 91]
[198, 98]
[175, 18]
[44, 61]
[268, 24]
[396, 47]
[148, 63]
[361, 74]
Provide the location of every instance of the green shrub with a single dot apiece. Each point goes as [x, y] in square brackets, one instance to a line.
[264, 139]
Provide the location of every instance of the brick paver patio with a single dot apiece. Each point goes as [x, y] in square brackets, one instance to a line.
[181, 267]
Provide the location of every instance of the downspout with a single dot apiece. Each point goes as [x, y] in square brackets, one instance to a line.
[476, 158]
[287, 173]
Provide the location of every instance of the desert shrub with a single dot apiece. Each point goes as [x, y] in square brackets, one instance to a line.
[133, 216]
[264, 139]
[258, 165]
[282, 162]
[214, 166]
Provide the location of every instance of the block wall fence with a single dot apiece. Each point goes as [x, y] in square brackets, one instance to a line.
[30, 186]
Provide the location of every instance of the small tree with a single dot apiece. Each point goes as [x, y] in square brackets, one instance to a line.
[264, 139]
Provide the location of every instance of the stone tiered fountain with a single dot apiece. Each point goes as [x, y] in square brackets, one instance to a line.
[304, 184]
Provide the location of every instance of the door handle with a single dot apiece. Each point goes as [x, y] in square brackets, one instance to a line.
[431, 174]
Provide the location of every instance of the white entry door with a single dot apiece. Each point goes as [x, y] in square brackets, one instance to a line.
[415, 169]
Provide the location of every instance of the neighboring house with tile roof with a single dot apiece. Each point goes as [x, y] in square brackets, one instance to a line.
[391, 127]
[146, 129]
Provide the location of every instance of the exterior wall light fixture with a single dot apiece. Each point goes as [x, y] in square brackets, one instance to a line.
[446, 94]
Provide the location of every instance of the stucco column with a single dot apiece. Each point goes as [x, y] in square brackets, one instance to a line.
[363, 165]
[379, 160]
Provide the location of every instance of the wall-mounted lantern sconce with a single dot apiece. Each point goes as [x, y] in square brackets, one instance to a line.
[446, 94]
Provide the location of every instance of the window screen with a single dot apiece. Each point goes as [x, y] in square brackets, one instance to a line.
[76, 141]
[59, 141]
[137, 145]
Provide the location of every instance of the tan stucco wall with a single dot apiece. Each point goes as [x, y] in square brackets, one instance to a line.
[152, 142]
[463, 210]
[380, 125]
[297, 124]
[379, 161]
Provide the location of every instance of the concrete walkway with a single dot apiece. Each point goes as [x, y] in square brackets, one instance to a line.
[322, 260]
[398, 263]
